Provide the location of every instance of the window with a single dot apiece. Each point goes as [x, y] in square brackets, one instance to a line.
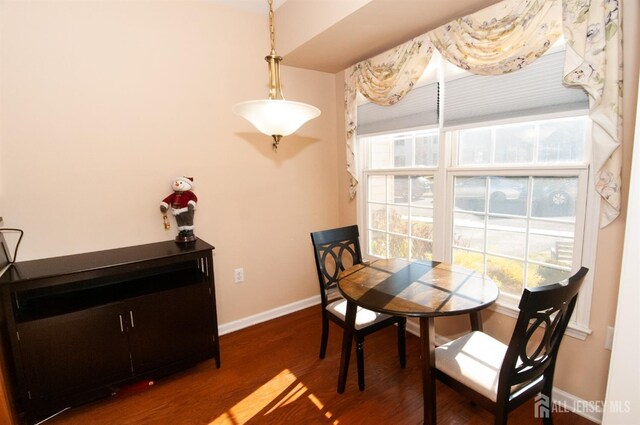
[400, 194]
[496, 183]
[519, 226]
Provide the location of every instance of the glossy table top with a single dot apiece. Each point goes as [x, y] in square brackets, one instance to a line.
[402, 288]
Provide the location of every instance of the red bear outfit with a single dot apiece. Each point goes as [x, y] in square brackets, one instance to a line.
[183, 205]
[179, 201]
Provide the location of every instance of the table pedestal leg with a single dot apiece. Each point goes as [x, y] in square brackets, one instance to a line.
[347, 340]
[428, 346]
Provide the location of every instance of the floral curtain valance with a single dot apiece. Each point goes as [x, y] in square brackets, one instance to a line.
[503, 38]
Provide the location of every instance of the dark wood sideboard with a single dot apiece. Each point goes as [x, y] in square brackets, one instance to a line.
[80, 327]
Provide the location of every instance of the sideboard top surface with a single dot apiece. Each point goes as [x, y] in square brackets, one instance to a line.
[99, 260]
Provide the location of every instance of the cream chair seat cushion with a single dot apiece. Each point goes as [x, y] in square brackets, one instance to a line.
[473, 360]
[364, 317]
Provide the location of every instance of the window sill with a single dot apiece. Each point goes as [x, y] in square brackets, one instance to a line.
[574, 329]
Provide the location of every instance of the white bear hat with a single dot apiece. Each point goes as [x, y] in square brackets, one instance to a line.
[187, 180]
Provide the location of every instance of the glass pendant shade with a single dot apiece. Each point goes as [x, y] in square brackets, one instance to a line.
[276, 117]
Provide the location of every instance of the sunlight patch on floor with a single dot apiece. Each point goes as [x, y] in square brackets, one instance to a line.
[281, 390]
[292, 396]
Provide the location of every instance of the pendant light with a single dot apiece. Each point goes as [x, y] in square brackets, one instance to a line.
[275, 116]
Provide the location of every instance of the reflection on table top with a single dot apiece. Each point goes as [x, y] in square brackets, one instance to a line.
[399, 287]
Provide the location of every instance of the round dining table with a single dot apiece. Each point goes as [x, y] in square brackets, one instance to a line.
[422, 289]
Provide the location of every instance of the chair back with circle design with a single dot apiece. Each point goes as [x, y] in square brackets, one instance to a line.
[335, 250]
[545, 312]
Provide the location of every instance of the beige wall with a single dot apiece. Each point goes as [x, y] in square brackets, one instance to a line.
[583, 365]
[102, 103]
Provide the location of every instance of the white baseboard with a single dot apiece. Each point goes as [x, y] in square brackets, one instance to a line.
[413, 327]
[566, 401]
[587, 409]
[236, 325]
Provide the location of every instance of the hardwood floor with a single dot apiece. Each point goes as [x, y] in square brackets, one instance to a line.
[271, 374]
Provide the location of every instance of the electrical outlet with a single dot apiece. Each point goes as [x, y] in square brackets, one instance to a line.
[238, 275]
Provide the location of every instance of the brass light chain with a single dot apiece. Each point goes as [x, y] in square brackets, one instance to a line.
[271, 27]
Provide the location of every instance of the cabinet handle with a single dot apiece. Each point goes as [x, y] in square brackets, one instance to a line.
[131, 317]
[121, 326]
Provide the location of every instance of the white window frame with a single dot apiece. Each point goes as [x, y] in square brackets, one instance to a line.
[363, 173]
[587, 228]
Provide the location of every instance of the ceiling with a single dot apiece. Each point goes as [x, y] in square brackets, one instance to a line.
[374, 28]
[254, 6]
[371, 28]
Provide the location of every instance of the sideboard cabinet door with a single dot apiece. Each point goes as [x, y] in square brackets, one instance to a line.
[69, 353]
[169, 327]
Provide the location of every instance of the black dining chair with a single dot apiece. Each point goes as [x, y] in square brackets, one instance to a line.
[501, 377]
[335, 250]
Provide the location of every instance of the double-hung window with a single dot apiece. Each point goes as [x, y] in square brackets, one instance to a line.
[489, 172]
[518, 193]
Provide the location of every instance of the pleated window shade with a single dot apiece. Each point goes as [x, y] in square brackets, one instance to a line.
[418, 108]
[535, 89]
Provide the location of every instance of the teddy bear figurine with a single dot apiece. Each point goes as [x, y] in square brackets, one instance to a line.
[183, 205]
